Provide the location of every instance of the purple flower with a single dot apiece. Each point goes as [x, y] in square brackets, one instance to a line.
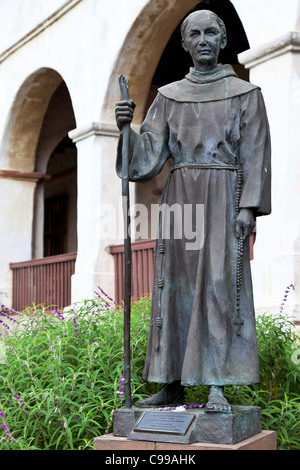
[59, 315]
[193, 405]
[4, 312]
[291, 286]
[75, 326]
[120, 391]
[188, 406]
[18, 397]
[5, 325]
[4, 426]
[106, 298]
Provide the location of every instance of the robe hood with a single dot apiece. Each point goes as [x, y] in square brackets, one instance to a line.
[201, 87]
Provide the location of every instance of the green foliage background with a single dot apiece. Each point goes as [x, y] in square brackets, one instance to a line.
[61, 376]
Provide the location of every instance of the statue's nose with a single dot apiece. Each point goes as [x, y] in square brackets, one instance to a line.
[202, 39]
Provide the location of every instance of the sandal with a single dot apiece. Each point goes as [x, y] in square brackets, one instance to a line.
[169, 395]
[217, 403]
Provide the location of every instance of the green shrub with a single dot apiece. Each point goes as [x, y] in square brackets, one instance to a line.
[278, 393]
[63, 372]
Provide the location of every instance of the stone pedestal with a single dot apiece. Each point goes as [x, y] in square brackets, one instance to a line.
[188, 426]
[265, 440]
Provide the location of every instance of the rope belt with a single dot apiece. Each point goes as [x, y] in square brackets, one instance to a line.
[204, 166]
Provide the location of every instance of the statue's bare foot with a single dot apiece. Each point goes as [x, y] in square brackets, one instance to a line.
[169, 395]
[217, 403]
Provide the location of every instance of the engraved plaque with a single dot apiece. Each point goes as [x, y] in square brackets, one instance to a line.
[165, 422]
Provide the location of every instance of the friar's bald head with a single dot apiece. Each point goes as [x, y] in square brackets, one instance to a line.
[203, 36]
[200, 13]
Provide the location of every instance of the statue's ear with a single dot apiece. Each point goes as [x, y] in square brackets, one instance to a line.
[224, 42]
[184, 45]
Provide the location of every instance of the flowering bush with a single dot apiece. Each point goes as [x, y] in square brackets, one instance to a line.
[60, 383]
[62, 377]
[278, 393]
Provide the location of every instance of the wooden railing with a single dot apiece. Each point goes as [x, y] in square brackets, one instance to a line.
[43, 281]
[142, 268]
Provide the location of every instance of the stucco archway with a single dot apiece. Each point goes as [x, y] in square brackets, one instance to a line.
[141, 51]
[35, 143]
[40, 119]
[152, 56]
[26, 117]
[146, 41]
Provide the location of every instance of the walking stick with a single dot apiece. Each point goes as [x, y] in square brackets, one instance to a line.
[127, 247]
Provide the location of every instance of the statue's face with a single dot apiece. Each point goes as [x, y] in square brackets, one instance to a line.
[203, 39]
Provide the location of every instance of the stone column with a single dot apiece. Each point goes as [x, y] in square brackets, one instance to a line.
[17, 202]
[275, 67]
[99, 209]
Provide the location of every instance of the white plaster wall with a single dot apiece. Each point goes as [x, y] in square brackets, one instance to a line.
[273, 265]
[83, 46]
[276, 252]
[20, 16]
[16, 215]
[97, 186]
[264, 20]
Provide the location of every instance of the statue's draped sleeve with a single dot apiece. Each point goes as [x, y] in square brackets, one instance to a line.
[148, 149]
[255, 154]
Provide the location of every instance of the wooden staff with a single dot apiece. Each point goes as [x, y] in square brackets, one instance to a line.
[123, 82]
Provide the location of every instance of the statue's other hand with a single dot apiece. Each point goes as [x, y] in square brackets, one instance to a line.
[245, 220]
[124, 112]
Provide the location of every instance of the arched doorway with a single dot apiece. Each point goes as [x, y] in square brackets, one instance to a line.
[55, 218]
[174, 64]
[152, 56]
[154, 36]
[60, 201]
[40, 151]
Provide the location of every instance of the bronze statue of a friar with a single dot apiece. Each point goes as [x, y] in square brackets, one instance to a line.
[214, 127]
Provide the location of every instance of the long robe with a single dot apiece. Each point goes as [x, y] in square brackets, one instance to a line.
[214, 127]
